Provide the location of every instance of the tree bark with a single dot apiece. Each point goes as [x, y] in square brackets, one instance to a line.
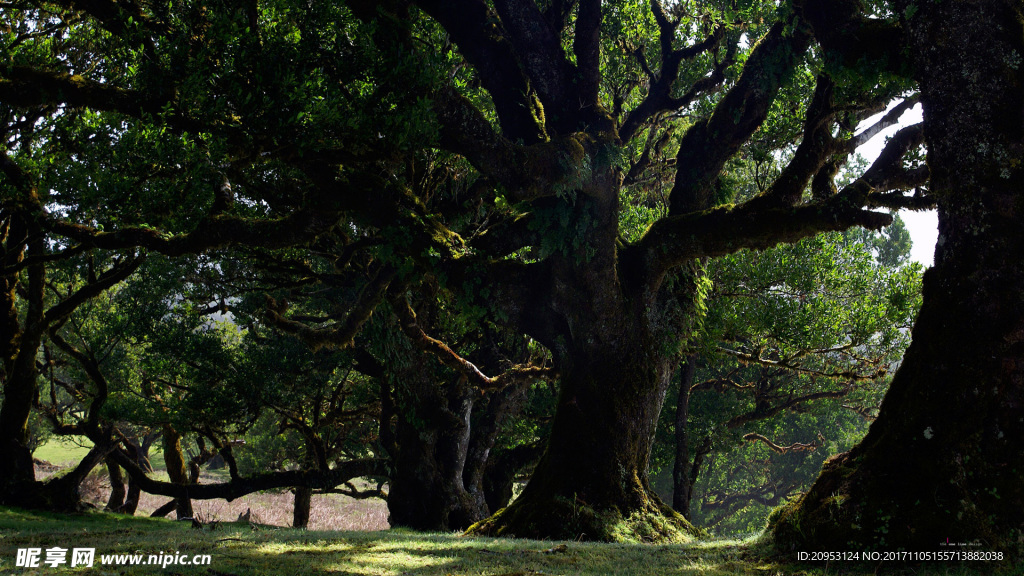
[682, 488]
[433, 432]
[301, 509]
[592, 481]
[118, 490]
[942, 463]
[176, 468]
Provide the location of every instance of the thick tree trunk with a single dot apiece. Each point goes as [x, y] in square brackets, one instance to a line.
[433, 432]
[16, 468]
[19, 345]
[592, 481]
[943, 461]
[302, 507]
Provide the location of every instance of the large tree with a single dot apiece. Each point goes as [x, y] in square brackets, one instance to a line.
[287, 118]
[569, 90]
[943, 460]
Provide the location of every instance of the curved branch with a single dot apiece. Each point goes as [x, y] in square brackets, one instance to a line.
[451, 359]
[794, 447]
[343, 334]
[709, 144]
[768, 412]
[240, 486]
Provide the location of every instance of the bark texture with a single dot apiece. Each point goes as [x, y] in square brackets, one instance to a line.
[433, 432]
[301, 510]
[943, 460]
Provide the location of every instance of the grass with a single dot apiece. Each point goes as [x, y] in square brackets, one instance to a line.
[245, 550]
[63, 451]
[350, 537]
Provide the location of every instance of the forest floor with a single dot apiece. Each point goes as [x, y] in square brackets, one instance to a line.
[239, 548]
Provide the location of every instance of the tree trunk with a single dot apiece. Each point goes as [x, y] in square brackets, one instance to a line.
[943, 462]
[592, 481]
[302, 507]
[118, 490]
[19, 346]
[176, 468]
[682, 488]
[433, 431]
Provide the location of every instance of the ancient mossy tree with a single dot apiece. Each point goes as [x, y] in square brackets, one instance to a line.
[593, 142]
[564, 110]
[943, 462]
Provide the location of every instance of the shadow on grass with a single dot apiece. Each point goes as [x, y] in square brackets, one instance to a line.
[244, 550]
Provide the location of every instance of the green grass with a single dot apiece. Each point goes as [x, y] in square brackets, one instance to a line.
[63, 451]
[69, 451]
[238, 549]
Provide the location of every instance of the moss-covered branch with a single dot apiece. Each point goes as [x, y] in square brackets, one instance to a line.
[474, 28]
[708, 144]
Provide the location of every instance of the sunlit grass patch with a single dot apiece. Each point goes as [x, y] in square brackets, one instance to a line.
[241, 549]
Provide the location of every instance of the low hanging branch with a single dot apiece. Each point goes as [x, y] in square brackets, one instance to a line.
[240, 486]
[448, 357]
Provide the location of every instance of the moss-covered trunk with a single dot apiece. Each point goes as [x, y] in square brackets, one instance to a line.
[943, 462]
[19, 347]
[613, 329]
[592, 481]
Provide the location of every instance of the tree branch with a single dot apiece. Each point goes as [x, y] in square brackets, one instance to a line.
[540, 54]
[659, 95]
[795, 447]
[407, 319]
[340, 335]
[473, 28]
[708, 144]
[239, 486]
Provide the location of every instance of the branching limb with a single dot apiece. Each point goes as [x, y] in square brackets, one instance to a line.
[342, 334]
[659, 95]
[795, 447]
[26, 86]
[789, 364]
[474, 29]
[526, 172]
[708, 144]
[765, 412]
[450, 358]
[674, 240]
[851, 39]
[539, 51]
[240, 486]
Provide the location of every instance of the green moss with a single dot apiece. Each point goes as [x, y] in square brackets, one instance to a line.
[561, 518]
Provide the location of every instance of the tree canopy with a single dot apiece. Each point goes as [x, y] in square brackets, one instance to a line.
[482, 195]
